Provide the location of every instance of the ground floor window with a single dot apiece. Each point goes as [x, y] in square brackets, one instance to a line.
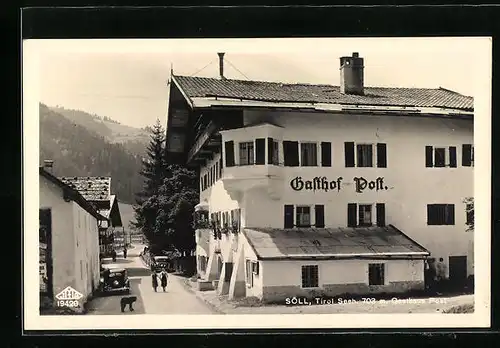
[249, 273]
[303, 216]
[376, 274]
[310, 276]
[365, 215]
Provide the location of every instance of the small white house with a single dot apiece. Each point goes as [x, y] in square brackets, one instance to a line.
[69, 239]
[325, 189]
[97, 191]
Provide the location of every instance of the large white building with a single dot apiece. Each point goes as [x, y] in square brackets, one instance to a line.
[319, 189]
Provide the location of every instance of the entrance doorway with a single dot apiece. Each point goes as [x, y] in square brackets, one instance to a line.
[458, 271]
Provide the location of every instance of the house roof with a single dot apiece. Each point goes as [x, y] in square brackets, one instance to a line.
[91, 188]
[332, 243]
[106, 212]
[72, 193]
[199, 87]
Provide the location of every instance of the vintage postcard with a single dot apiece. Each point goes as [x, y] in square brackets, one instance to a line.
[257, 183]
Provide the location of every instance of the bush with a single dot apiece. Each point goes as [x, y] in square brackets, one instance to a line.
[466, 308]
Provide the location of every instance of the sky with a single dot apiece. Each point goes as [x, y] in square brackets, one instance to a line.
[126, 80]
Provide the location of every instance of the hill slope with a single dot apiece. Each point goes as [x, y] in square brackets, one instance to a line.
[134, 140]
[78, 151]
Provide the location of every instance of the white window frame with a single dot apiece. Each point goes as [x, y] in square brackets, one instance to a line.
[318, 154]
[446, 155]
[373, 213]
[374, 154]
[301, 279]
[384, 280]
[250, 163]
[312, 214]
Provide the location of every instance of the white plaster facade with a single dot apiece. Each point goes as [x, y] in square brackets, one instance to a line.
[261, 191]
[75, 241]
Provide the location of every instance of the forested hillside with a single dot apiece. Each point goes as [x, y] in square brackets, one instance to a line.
[79, 151]
[133, 139]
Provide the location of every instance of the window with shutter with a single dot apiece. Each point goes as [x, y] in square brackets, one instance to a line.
[229, 153]
[467, 155]
[381, 155]
[291, 153]
[440, 214]
[260, 151]
[349, 154]
[326, 154]
[319, 211]
[351, 215]
[272, 151]
[380, 214]
[288, 216]
[428, 157]
[453, 156]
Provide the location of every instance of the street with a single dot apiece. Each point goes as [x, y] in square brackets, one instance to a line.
[176, 300]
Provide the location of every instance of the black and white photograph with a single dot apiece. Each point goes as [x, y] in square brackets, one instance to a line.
[257, 183]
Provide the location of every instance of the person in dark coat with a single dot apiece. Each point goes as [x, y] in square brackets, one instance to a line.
[154, 280]
[113, 255]
[163, 280]
[125, 252]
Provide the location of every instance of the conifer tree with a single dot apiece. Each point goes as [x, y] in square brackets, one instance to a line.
[153, 171]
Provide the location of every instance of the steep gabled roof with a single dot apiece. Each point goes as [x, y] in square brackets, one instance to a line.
[199, 87]
[96, 188]
[72, 193]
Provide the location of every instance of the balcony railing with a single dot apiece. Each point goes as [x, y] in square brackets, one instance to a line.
[199, 224]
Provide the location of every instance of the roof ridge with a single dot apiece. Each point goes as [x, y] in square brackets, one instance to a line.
[318, 84]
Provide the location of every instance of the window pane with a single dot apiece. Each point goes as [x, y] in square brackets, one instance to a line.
[439, 157]
[246, 153]
[308, 152]
[365, 155]
[303, 216]
[365, 215]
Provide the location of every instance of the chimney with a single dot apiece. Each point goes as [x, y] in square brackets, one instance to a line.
[351, 75]
[221, 65]
[48, 165]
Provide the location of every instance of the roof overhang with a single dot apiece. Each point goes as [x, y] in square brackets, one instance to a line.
[215, 102]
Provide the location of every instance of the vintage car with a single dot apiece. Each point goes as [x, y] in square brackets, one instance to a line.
[114, 280]
[161, 263]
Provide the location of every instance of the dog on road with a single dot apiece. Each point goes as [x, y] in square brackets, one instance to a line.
[129, 300]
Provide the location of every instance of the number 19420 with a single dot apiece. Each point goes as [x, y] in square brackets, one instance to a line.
[67, 303]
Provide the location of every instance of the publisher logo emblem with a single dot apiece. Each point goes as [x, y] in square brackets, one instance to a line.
[69, 294]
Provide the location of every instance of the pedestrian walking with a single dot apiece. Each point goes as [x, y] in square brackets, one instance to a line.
[163, 280]
[154, 279]
[430, 274]
[124, 252]
[440, 275]
[113, 255]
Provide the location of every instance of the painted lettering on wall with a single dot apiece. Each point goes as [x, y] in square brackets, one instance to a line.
[323, 184]
[315, 184]
[361, 184]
